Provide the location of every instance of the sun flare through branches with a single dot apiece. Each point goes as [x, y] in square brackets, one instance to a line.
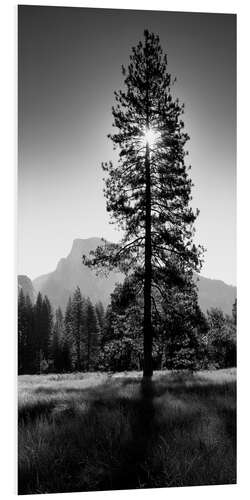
[150, 137]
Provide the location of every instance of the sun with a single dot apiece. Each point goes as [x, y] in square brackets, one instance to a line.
[150, 136]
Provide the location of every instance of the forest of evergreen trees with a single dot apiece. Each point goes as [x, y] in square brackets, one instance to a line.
[53, 341]
[87, 338]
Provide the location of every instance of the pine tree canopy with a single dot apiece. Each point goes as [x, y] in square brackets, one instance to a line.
[150, 176]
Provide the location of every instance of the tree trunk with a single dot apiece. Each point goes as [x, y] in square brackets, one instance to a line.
[147, 326]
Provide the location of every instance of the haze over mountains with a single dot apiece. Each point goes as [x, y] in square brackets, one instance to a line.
[70, 273]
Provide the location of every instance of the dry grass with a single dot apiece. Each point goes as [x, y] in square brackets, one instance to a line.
[86, 432]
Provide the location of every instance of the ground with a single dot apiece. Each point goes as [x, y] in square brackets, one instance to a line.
[92, 431]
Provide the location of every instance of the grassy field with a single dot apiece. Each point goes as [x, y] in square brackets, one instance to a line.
[86, 432]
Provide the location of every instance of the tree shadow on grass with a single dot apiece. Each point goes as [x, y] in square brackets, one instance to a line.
[107, 443]
[132, 473]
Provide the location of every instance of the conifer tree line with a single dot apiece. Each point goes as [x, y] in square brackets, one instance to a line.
[87, 338]
[57, 342]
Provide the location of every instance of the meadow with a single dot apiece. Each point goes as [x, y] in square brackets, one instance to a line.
[93, 431]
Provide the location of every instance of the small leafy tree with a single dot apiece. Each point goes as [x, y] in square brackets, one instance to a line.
[119, 355]
[221, 339]
[123, 347]
[184, 328]
[148, 191]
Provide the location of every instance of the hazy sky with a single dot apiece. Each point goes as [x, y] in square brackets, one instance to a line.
[69, 66]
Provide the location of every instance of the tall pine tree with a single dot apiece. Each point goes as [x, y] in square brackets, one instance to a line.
[100, 312]
[22, 331]
[43, 324]
[77, 323]
[92, 335]
[38, 331]
[56, 344]
[68, 335]
[30, 345]
[148, 192]
[47, 327]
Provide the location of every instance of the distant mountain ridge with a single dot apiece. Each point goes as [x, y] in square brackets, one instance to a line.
[70, 273]
[216, 293]
[26, 285]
